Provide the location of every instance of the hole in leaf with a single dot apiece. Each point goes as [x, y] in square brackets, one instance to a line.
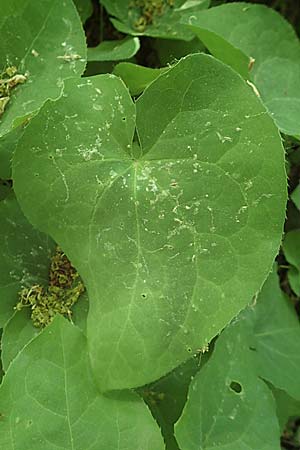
[236, 387]
[124, 119]
[144, 295]
[253, 349]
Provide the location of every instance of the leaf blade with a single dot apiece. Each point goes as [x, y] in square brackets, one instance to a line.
[129, 235]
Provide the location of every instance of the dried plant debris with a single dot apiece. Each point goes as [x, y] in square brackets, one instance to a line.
[149, 11]
[65, 288]
[9, 79]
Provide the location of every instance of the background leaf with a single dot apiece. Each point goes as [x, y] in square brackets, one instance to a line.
[295, 196]
[84, 8]
[237, 33]
[228, 405]
[291, 249]
[114, 50]
[49, 400]
[136, 77]
[263, 343]
[7, 147]
[25, 256]
[130, 17]
[45, 41]
[166, 397]
[170, 51]
[277, 338]
[286, 407]
[164, 234]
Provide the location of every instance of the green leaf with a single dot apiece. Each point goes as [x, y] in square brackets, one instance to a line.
[97, 68]
[286, 407]
[173, 237]
[19, 330]
[237, 33]
[114, 50]
[80, 312]
[291, 249]
[166, 397]
[294, 279]
[84, 8]
[45, 42]
[7, 147]
[5, 189]
[136, 77]
[295, 196]
[277, 338]
[151, 18]
[228, 406]
[49, 401]
[170, 51]
[25, 254]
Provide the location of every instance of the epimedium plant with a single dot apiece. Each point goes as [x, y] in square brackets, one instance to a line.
[142, 209]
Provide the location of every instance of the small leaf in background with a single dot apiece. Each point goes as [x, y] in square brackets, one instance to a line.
[25, 256]
[45, 44]
[49, 400]
[166, 397]
[277, 338]
[229, 406]
[286, 407]
[295, 196]
[84, 8]
[7, 147]
[257, 42]
[170, 51]
[136, 77]
[99, 67]
[164, 233]
[291, 249]
[262, 343]
[150, 18]
[5, 188]
[114, 50]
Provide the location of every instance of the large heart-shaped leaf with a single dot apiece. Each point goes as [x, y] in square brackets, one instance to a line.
[157, 19]
[172, 235]
[45, 42]
[49, 401]
[257, 38]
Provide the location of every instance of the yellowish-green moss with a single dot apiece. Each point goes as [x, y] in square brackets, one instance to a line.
[65, 287]
[9, 79]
